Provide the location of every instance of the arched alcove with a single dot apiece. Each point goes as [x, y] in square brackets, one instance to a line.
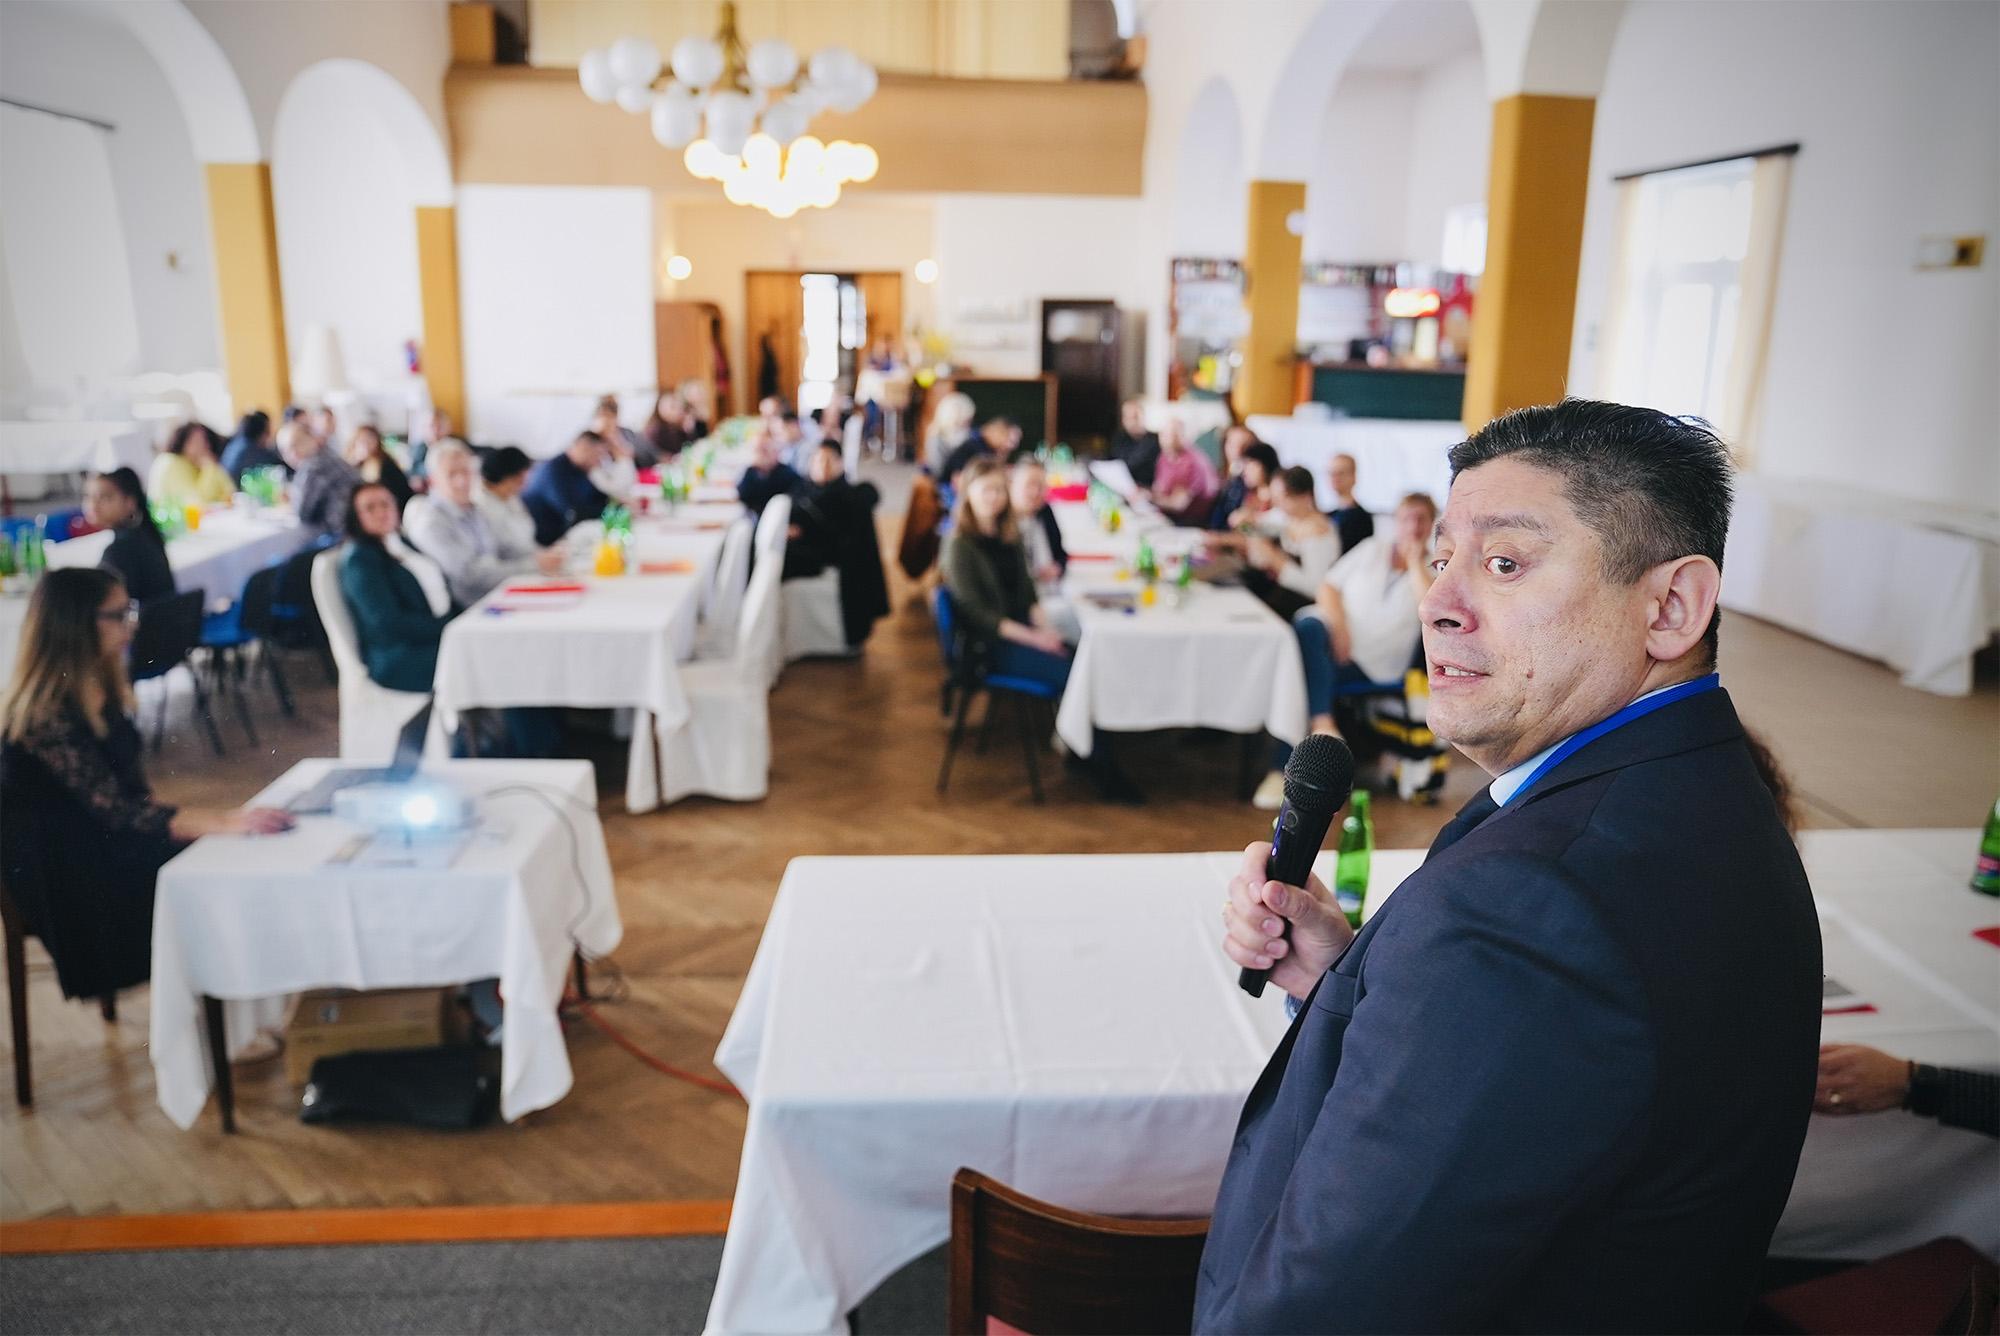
[1211, 185]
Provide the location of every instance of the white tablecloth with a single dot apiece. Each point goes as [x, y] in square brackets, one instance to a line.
[75, 447]
[906, 1017]
[241, 917]
[615, 648]
[230, 547]
[1915, 586]
[1223, 660]
[1391, 458]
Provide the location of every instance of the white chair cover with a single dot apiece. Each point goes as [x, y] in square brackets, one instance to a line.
[773, 528]
[850, 445]
[724, 747]
[371, 715]
[812, 620]
[725, 599]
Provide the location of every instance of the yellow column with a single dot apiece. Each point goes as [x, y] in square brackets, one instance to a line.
[1272, 272]
[437, 279]
[1534, 241]
[245, 236]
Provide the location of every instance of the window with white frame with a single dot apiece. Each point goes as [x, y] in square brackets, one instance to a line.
[1690, 307]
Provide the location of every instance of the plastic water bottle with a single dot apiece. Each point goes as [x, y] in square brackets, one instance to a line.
[1986, 874]
[1357, 845]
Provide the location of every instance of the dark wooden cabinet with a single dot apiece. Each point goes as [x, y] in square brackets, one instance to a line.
[1080, 348]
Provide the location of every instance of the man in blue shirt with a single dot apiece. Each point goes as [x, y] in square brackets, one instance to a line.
[250, 447]
[560, 494]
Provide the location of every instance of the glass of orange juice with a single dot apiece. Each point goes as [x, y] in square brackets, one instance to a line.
[193, 518]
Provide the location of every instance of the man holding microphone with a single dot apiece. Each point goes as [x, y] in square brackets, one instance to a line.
[1560, 1081]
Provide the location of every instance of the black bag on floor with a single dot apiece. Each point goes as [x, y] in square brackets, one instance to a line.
[424, 1087]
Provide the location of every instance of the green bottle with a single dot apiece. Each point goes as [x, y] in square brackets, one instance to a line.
[1145, 565]
[1350, 874]
[1986, 875]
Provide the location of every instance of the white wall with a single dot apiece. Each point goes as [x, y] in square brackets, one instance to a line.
[1211, 216]
[1878, 376]
[1451, 139]
[1357, 197]
[347, 231]
[998, 253]
[555, 292]
[66, 58]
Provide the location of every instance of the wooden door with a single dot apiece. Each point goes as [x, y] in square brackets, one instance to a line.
[1080, 348]
[774, 317]
[882, 301]
[684, 344]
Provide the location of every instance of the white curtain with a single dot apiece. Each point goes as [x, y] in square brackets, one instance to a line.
[67, 269]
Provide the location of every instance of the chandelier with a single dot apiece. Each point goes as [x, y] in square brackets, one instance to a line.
[741, 115]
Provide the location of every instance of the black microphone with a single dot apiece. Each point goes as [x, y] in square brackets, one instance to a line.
[1318, 779]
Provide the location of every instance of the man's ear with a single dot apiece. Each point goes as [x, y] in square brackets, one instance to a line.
[1682, 596]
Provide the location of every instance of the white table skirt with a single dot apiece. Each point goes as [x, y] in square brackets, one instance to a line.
[238, 917]
[617, 648]
[906, 1017]
[1916, 587]
[75, 447]
[1391, 458]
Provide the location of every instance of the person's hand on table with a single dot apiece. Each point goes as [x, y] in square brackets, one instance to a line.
[1857, 1079]
[1259, 909]
[191, 823]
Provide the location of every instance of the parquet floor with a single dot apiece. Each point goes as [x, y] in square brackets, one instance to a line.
[856, 745]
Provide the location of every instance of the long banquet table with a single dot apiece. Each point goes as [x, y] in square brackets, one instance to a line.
[906, 1017]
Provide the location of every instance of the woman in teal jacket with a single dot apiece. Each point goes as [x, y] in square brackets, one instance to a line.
[398, 595]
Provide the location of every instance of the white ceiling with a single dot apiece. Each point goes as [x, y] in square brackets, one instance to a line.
[1417, 35]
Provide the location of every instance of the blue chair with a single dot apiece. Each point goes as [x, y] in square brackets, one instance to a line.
[63, 524]
[965, 678]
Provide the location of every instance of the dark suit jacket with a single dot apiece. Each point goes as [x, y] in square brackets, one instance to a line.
[399, 632]
[1046, 517]
[140, 559]
[1356, 525]
[560, 496]
[1559, 1082]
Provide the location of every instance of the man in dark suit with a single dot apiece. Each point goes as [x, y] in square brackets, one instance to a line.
[560, 494]
[1559, 1082]
[1138, 448]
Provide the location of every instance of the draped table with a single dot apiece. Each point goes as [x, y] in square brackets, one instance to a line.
[906, 1017]
[1219, 660]
[247, 918]
[613, 644]
[1912, 584]
[218, 559]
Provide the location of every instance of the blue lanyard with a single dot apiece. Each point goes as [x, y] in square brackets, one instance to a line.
[1638, 709]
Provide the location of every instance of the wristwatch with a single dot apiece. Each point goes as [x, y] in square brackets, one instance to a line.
[1926, 1090]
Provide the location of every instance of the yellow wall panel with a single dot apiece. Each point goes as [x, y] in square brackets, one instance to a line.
[250, 301]
[437, 282]
[1271, 263]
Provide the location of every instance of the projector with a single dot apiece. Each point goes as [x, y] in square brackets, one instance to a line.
[410, 809]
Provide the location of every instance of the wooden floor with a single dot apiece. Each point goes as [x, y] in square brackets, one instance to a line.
[856, 746]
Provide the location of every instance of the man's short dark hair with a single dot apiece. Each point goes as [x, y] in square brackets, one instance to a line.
[594, 438]
[506, 462]
[1651, 486]
[1259, 453]
[1296, 480]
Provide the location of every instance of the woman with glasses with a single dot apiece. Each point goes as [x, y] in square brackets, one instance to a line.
[81, 836]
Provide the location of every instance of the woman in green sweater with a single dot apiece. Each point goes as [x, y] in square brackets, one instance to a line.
[986, 570]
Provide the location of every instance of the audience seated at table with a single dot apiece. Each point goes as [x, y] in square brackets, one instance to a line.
[322, 481]
[1235, 439]
[1856, 1079]
[401, 603]
[833, 524]
[1287, 556]
[1256, 469]
[1363, 626]
[795, 444]
[766, 475]
[1348, 515]
[1137, 448]
[1184, 482]
[997, 440]
[188, 471]
[694, 393]
[1041, 535]
[448, 526]
[503, 474]
[430, 428]
[137, 553]
[82, 837]
[623, 443]
[951, 427]
[560, 493]
[372, 463]
[671, 426]
[250, 447]
[1007, 632]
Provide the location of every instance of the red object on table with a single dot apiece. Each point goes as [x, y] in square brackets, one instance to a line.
[648, 477]
[1091, 556]
[1990, 936]
[1070, 491]
[571, 587]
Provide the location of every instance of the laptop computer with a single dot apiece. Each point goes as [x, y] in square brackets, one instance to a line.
[409, 755]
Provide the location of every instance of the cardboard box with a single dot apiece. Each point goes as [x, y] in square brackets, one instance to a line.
[339, 1020]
